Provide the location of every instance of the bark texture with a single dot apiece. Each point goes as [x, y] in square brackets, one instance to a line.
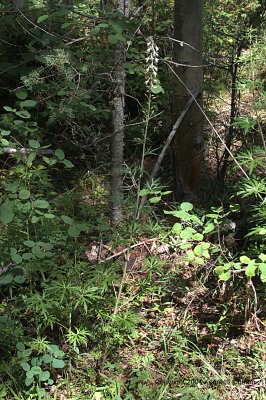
[118, 122]
[187, 147]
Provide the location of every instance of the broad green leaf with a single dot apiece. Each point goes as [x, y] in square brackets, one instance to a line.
[190, 255]
[186, 233]
[68, 164]
[237, 266]
[262, 257]
[19, 279]
[198, 250]
[113, 39]
[225, 276]
[83, 227]
[177, 228]
[5, 133]
[59, 154]
[195, 219]
[24, 194]
[28, 256]
[29, 243]
[34, 144]
[197, 236]
[48, 246]
[228, 265]
[6, 279]
[219, 270]
[156, 89]
[251, 269]
[59, 353]
[155, 199]
[44, 376]
[144, 192]
[27, 352]
[35, 361]
[25, 366]
[9, 109]
[36, 370]
[117, 27]
[49, 216]
[53, 348]
[29, 381]
[244, 259]
[185, 246]
[209, 228]
[206, 254]
[20, 346]
[29, 374]
[103, 25]
[6, 214]
[58, 363]
[67, 220]
[262, 268]
[47, 358]
[28, 104]
[41, 204]
[182, 214]
[23, 114]
[73, 231]
[30, 159]
[42, 18]
[21, 94]
[263, 278]
[186, 206]
[199, 260]
[16, 258]
[4, 142]
[36, 250]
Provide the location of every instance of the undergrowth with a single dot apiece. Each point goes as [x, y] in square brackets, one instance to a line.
[159, 309]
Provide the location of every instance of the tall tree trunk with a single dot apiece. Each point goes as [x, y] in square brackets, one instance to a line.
[118, 120]
[187, 147]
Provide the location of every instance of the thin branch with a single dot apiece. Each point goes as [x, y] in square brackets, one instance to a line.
[211, 125]
[24, 151]
[182, 43]
[35, 25]
[171, 136]
[188, 65]
[14, 66]
[127, 249]
[167, 143]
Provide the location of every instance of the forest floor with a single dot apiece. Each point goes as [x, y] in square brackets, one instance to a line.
[183, 334]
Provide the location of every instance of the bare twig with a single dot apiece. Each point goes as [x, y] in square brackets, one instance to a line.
[168, 142]
[128, 248]
[211, 125]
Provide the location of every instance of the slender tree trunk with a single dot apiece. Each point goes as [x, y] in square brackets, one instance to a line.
[187, 147]
[118, 120]
[233, 112]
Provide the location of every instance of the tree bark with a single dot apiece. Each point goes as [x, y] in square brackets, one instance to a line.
[118, 122]
[187, 147]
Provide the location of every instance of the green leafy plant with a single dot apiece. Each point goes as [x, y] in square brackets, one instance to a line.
[39, 367]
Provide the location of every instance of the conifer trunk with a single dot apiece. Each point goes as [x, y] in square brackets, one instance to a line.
[187, 147]
[118, 122]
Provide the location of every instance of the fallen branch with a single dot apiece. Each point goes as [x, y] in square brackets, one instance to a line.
[167, 144]
[127, 249]
[171, 137]
[24, 150]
